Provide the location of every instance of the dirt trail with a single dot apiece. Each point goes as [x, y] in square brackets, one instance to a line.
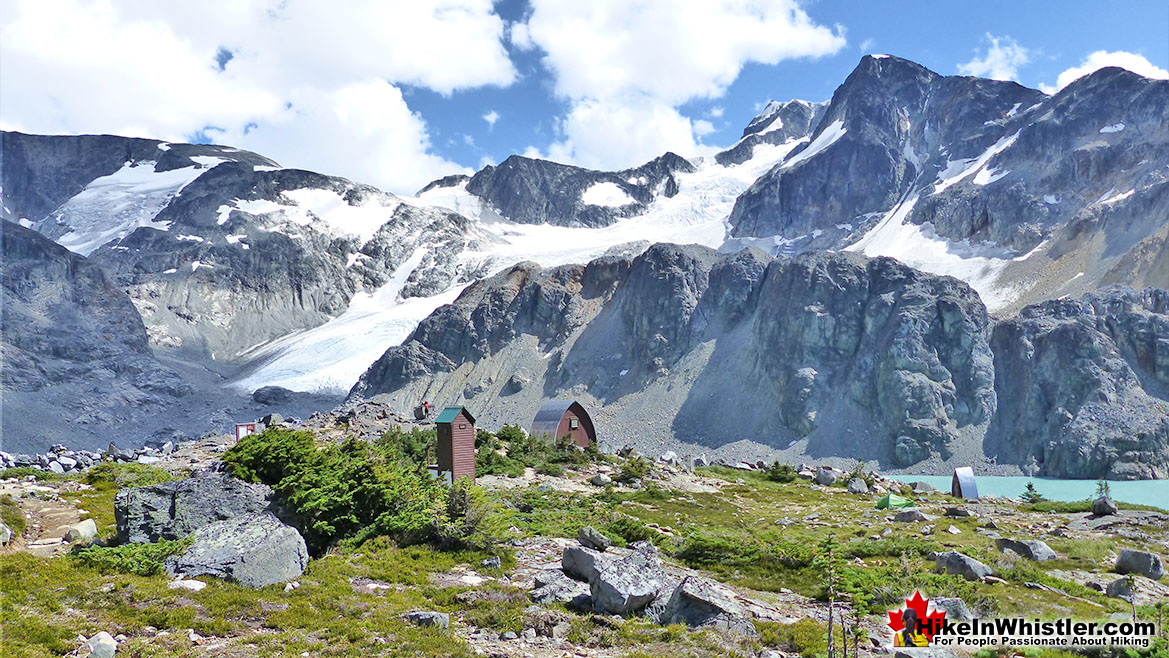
[47, 515]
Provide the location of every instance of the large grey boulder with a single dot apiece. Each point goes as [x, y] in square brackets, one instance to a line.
[101, 645]
[590, 537]
[911, 515]
[429, 618]
[627, 585]
[581, 563]
[956, 609]
[272, 395]
[254, 550]
[958, 564]
[1146, 564]
[5, 535]
[1032, 549]
[857, 486]
[698, 604]
[1103, 506]
[82, 533]
[825, 477]
[173, 510]
[1119, 589]
[552, 586]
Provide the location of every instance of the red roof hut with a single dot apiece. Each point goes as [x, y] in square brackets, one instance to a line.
[560, 418]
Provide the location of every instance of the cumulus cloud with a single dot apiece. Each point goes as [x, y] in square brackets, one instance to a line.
[1138, 64]
[309, 84]
[626, 66]
[1002, 60]
[491, 117]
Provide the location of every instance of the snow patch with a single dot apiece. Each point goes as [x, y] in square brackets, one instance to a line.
[826, 138]
[1114, 128]
[956, 170]
[607, 194]
[1050, 199]
[988, 175]
[1117, 198]
[190, 238]
[265, 168]
[197, 264]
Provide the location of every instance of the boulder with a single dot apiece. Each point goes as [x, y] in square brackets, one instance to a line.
[825, 476]
[958, 564]
[911, 515]
[552, 586]
[82, 533]
[6, 535]
[857, 486]
[173, 510]
[627, 585]
[493, 562]
[101, 645]
[254, 550]
[271, 395]
[1119, 589]
[958, 513]
[698, 604]
[590, 537]
[956, 609]
[600, 480]
[923, 652]
[1146, 564]
[1032, 549]
[581, 563]
[56, 467]
[1103, 506]
[429, 618]
[922, 487]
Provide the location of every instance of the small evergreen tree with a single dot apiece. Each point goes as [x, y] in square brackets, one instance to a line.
[1102, 490]
[1032, 495]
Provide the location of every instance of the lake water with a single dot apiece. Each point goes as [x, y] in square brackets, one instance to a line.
[1141, 492]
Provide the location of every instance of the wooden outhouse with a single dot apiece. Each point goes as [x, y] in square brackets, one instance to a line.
[456, 443]
[561, 418]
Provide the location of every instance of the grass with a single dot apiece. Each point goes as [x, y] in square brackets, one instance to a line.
[12, 516]
[138, 559]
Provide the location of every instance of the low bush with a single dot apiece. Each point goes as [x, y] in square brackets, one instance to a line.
[11, 515]
[782, 473]
[475, 521]
[114, 475]
[137, 559]
[24, 471]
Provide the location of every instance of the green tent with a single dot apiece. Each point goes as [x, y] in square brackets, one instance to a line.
[893, 501]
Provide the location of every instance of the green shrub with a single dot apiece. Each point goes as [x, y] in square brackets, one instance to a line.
[889, 547]
[710, 549]
[24, 471]
[474, 521]
[635, 467]
[629, 530]
[418, 446]
[782, 473]
[137, 559]
[348, 491]
[806, 637]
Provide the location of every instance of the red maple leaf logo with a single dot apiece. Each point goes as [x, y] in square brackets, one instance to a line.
[928, 621]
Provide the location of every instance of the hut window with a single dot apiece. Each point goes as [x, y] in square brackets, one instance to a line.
[462, 426]
[573, 423]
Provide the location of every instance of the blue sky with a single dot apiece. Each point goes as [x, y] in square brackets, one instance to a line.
[398, 92]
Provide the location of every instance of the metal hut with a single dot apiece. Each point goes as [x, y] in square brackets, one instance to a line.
[456, 443]
[560, 418]
[962, 485]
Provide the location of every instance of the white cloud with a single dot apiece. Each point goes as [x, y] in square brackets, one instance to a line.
[631, 64]
[1138, 64]
[867, 45]
[491, 117]
[702, 127]
[715, 112]
[1002, 60]
[147, 68]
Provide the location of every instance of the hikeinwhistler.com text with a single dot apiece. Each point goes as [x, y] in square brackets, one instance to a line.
[1019, 632]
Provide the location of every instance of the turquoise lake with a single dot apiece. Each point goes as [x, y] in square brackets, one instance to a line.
[1141, 492]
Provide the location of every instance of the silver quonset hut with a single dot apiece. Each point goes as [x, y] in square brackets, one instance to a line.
[560, 418]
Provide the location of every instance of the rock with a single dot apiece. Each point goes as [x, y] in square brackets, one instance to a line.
[958, 513]
[590, 537]
[55, 467]
[167, 448]
[101, 645]
[1119, 589]
[429, 619]
[923, 652]
[1103, 506]
[553, 586]
[627, 585]
[6, 535]
[669, 457]
[492, 562]
[581, 563]
[508, 636]
[857, 486]
[560, 630]
[922, 487]
[254, 550]
[83, 532]
[271, 395]
[911, 515]
[1146, 564]
[955, 608]
[187, 584]
[825, 477]
[953, 530]
[66, 462]
[600, 480]
[957, 564]
[701, 461]
[698, 604]
[272, 420]
[1032, 549]
[173, 510]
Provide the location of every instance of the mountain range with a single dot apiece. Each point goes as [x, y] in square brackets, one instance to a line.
[923, 271]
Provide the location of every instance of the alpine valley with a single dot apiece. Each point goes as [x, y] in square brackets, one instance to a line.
[923, 271]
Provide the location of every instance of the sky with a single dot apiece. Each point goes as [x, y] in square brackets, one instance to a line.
[397, 93]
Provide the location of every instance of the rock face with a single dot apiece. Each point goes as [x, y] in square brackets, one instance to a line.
[1032, 549]
[68, 329]
[778, 123]
[553, 586]
[543, 192]
[1081, 386]
[1146, 564]
[174, 510]
[590, 537]
[582, 563]
[698, 604]
[254, 550]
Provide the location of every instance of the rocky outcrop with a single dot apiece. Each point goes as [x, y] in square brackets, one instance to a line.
[627, 586]
[543, 192]
[958, 564]
[778, 123]
[698, 604]
[1142, 562]
[254, 550]
[174, 510]
[1032, 549]
[1081, 386]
